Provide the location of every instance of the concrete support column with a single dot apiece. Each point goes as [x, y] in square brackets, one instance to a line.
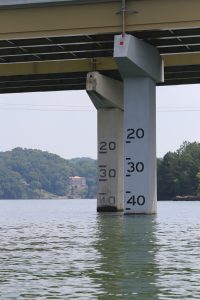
[107, 96]
[140, 66]
[140, 145]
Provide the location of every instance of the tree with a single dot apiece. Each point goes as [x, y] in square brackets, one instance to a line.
[178, 172]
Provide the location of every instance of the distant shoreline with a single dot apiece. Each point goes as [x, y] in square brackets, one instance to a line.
[187, 198]
[178, 198]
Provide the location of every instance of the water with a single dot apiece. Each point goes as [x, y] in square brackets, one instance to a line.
[63, 249]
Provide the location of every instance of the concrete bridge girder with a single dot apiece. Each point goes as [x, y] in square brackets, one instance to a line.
[104, 92]
[104, 63]
[67, 19]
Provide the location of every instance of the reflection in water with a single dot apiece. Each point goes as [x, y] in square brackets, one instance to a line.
[127, 267]
[178, 259]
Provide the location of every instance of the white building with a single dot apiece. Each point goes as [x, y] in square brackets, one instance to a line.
[78, 182]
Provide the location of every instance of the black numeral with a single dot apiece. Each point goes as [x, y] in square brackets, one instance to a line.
[104, 172]
[106, 200]
[140, 200]
[112, 173]
[131, 134]
[132, 167]
[134, 133]
[104, 147]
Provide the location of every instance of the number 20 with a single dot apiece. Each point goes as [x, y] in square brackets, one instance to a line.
[132, 133]
[104, 146]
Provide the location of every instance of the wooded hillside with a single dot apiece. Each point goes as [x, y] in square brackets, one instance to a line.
[27, 173]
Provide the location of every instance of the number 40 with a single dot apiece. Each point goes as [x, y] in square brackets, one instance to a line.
[140, 200]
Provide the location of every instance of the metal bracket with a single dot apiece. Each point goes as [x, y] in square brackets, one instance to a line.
[94, 63]
[123, 11]
[127, 10]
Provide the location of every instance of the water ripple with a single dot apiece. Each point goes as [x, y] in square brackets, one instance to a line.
[65, 250]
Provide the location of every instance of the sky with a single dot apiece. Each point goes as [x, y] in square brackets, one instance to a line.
[65, 123]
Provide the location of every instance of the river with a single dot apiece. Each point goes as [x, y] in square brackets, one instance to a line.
[63, 249]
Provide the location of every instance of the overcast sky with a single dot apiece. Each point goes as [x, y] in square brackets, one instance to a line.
[65, 123]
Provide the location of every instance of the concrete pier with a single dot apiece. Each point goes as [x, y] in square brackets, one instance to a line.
[107, 96]
[141, 67]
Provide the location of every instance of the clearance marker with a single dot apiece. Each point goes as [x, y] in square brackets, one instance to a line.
[121, 43]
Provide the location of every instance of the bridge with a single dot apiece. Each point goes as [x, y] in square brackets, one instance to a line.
[124, 49]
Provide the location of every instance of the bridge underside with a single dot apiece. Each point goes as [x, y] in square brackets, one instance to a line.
[62, 62]
[47, 48]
